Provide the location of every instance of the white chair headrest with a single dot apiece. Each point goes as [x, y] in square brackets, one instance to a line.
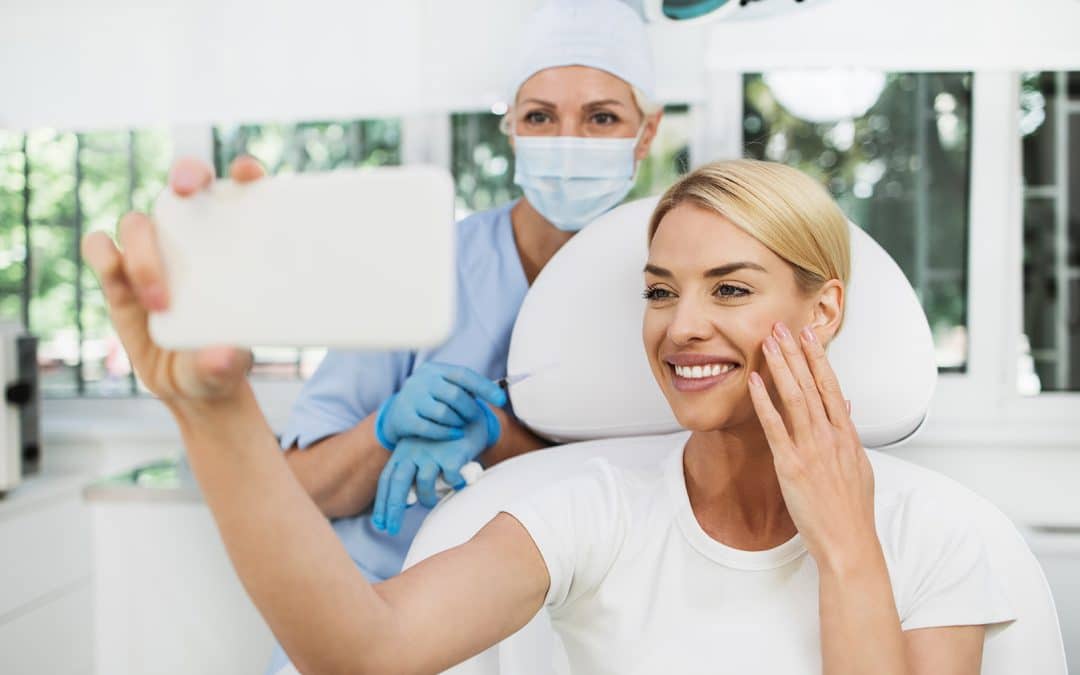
[579, 331]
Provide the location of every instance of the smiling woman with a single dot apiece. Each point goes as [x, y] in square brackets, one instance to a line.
[794, 549]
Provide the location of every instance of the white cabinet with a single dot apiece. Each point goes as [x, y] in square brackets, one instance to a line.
[166, 600]
[45, 579]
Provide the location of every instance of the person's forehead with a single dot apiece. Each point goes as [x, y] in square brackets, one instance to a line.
[577, 84]
[690, 237]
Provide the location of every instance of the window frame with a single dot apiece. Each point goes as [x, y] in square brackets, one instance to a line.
[976, 407]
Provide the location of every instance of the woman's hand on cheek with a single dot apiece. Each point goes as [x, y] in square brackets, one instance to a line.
[823, 470]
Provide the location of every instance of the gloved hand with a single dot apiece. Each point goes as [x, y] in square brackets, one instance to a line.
[435, 403]
[421, 460]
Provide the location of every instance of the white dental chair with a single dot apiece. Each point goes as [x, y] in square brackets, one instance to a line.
[885, 360]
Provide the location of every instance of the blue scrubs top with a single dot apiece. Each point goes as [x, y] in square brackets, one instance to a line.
[349, 386]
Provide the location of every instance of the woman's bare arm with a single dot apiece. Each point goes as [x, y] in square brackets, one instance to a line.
[314, 598]
[949, 650]
[328, 618]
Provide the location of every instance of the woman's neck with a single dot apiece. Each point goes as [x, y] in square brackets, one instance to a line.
[536, 238]
[733, 489]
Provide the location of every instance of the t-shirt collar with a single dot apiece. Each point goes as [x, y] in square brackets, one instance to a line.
[725, 555]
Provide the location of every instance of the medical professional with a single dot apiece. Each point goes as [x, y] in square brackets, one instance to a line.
[371, 425]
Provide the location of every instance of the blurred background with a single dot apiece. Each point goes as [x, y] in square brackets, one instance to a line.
[949, 131]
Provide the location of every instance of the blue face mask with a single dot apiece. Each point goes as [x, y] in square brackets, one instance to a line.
[572, 180]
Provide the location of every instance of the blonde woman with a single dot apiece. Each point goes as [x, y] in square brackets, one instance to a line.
[769, 542]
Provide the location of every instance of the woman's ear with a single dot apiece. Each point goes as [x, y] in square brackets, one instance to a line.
[652, 123]
[828, 311]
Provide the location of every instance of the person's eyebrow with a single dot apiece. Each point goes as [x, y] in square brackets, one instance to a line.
[604, 103]
[539, 101]
[721, 271]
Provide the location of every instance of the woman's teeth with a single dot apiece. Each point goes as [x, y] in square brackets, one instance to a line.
[699, 372]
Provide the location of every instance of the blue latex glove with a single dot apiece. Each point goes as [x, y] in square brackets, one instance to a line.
[435, 403]
[422, 460]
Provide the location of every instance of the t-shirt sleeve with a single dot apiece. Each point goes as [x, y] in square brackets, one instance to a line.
[345, 388]
[947, 578]
[578, 525]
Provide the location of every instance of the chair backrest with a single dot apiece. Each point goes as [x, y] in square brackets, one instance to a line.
[884, 357]
[593, 286]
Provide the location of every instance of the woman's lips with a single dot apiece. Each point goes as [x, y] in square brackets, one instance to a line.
[699, 383]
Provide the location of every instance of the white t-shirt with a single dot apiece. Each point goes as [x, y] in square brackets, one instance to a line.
[638, 587]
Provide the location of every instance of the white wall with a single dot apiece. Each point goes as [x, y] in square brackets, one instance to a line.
[122, 63]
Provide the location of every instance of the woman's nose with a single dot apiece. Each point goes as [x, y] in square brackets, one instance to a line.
[570, 126]
[690, 322]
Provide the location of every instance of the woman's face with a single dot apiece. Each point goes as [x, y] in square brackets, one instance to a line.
[713, 294]
[581, 101]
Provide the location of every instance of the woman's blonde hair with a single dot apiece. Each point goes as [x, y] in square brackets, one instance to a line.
[783, 208]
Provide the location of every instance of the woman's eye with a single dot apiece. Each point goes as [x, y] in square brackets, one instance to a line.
[730, 291]
[536, 117]
[604, 118]
[653, 293]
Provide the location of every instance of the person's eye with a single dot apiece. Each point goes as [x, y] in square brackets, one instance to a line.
[655, 293]
[730, 291]
[605, 118]
[537, 117]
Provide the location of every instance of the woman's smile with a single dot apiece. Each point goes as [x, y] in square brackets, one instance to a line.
[698, 372]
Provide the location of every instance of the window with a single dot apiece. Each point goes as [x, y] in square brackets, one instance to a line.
[1050, 126]
[297, 148]
[482, 160]
[894, 150]
[54, 187]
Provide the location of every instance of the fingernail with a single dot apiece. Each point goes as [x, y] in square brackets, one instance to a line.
[772, 345]
[755, 379]
[848, 404]
[808, 335]
[782, 331]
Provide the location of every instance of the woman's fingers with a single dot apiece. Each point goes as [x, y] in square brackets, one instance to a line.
[475, 384]
[771, 421]
[382, 490]
[426, 474]
[457, 399]
[142, 261]
[791, 395]
[245, 169]
[125, 307]
[189, 175]
[796, 361]
[209, 373]
[425, 428]
[438, 410]
[397, 492]
[828, 385]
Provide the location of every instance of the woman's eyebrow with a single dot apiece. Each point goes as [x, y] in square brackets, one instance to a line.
[539, 101]
[727, 269]
[721, 271]
[607, 102]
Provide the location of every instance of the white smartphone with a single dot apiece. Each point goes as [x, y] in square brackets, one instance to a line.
[359, 258]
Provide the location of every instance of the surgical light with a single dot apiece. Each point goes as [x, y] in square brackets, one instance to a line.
[684, 11]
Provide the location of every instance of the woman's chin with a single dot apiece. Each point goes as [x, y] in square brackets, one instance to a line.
[700, 418]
